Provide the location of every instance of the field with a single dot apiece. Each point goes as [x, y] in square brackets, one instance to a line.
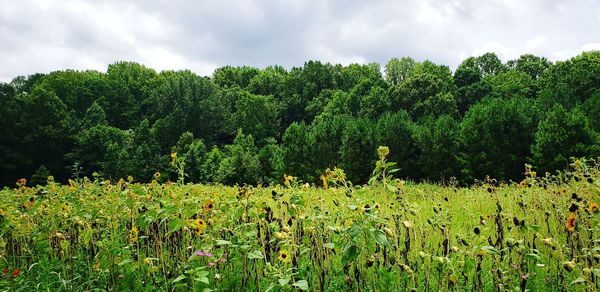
[540, 234]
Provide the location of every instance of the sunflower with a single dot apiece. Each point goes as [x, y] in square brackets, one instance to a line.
[200, 226]
[284, 256]
[21, 182]
[571, 222]
[287, 179]
[593, 207]
[325, 183]
[133, 234]
[208, 205]
[523, 184]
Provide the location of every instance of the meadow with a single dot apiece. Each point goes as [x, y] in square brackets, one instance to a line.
[390, 235]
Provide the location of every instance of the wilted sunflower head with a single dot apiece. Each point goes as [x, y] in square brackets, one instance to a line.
[383, 151]
[571, 222]
[593, 207]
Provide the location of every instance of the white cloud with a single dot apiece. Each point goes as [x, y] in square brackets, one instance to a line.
[42, 36]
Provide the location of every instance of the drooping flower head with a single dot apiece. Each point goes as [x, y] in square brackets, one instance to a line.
[571, 222]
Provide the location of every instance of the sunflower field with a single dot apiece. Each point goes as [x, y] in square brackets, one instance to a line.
[93, 234]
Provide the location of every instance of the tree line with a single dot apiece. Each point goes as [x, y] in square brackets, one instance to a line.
[247, 125]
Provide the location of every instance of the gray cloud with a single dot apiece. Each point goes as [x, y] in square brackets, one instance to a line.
[46, 35]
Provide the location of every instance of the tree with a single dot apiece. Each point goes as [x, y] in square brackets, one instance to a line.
[531, 65]
[439, 144]
[296, 151]
[396, 130]
[240, 164]
[496, 134]
[194, 152]
[94, 116]
[571, 82]
[257, 115]
[357, 143]
[271, 162]
[397, 70]
[40, 177]
[97, 147]
[426, 80]
[230, 76]
[560, 135]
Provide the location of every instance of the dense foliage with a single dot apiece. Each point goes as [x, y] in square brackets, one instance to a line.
[539, 235]
[249, 125]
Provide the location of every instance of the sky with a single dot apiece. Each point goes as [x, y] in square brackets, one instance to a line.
[40, 36]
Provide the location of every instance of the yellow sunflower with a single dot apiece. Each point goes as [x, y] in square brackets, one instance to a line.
[284, 256]
[208, 205]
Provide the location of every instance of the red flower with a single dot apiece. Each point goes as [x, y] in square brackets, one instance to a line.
[5, 270]
[16, 273]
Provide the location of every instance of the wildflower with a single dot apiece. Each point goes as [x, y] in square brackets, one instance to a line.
[569, 266]
[21, 182]
[156, 175]
[199, 225]
[284, 256]
[280, 235]
[208, 205]
[129, 178]
[593, 207]
[133, 234]
[388, 231]
[325, 184]
[148, 261]
[548, 241]
[211, 264]
[203, 253]
[571, 222]
[523, 184]
[16, 273]
[287, 179]
[5, 270]
[383, 151]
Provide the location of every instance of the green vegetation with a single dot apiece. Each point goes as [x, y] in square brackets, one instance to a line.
[250, 125]
[540, 234]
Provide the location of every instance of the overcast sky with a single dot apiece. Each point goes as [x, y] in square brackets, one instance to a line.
[42, 36]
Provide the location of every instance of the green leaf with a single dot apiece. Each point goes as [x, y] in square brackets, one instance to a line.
[222, 242]
[391, 188]
[302, 285]
[175, 225]
[271, 286]
[283, 281]
[328, 245]
[257, 254]
[124, 262]
[204, 280]
[577, 281]
[533, 256]
[380, 237]
[181, 277]
[490, 249]
[350, 253]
